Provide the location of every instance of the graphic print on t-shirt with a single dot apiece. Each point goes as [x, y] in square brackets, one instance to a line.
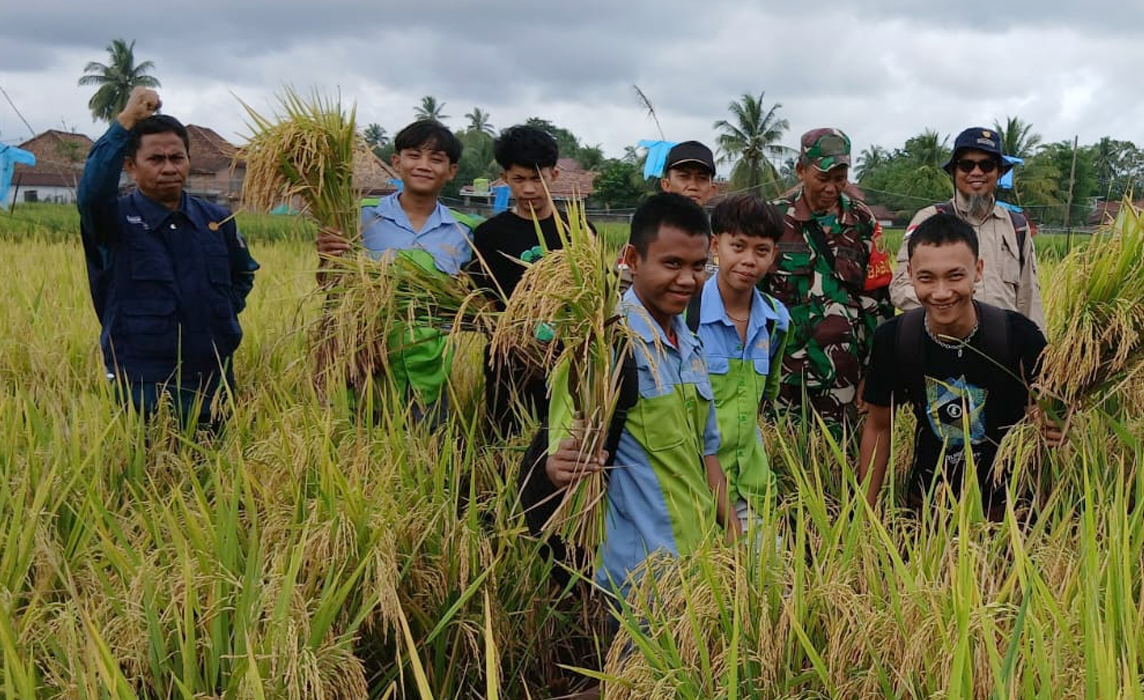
[947, 404]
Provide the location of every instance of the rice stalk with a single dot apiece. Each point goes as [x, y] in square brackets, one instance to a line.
[305, 154]
[564, 317]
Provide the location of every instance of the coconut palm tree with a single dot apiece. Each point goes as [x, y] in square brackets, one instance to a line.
[116, 80]
[430, 108]
[749, 139]
[479, 121]
[375, 136]
[870, 160]
[1017, 137]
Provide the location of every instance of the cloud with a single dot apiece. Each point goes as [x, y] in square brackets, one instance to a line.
[883, 71]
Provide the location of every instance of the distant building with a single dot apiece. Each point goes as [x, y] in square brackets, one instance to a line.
[60, 156]
[373, 177]
[212, 176]
[573, 182]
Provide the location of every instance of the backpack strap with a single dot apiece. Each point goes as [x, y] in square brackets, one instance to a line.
[692, 315]
[629, 393]
[1021, 227]
[995, 340]
[908, 342]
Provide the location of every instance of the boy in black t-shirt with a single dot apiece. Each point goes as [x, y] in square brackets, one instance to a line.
[528, 157]
[962, 365]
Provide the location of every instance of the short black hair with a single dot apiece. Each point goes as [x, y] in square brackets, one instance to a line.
[526, 146]
[431, 134]
[666, 209]
[155, 124]
[942, 229]
[749, 215]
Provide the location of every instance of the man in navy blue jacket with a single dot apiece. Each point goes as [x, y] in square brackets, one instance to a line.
[169, 272]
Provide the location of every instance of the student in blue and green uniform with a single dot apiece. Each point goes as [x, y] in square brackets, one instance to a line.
[415, 224]
[666, 491]
[744, 333]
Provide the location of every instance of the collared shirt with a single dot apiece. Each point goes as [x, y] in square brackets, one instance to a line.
[387, 227]
[423, 361]
[167, 285]
[1005, 283]
[658, 496]
[743, 374]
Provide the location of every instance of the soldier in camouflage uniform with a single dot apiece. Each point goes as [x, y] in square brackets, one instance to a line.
[833, 274]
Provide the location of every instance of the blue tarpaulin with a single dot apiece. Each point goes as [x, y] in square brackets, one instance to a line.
[9, 156]
[1006, 180]
[656, 157]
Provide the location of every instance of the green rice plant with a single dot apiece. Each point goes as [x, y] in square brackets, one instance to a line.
[565, 315]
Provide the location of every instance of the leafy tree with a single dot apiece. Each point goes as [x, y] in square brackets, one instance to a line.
[1017, 137]
[909, 177]
[376, 138]
[591, 157]
[1119, 168]
[476, 161]
[430, 108]
[620, 184]
[479, 121]
[567, 142]
[870, 160]
[749, 139]
[116, 80]
[1058, 156]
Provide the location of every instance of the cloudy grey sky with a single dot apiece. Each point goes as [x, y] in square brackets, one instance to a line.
[882, 74]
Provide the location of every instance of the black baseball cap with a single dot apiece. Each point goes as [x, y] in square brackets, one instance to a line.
[689, 152]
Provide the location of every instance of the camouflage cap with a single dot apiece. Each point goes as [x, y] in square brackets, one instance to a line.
[825, 149]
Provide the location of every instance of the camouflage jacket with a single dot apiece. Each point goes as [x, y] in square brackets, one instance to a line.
[833, 314]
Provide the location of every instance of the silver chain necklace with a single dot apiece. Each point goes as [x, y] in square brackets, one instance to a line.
[957, 346]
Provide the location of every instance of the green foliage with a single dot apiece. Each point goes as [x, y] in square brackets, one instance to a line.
[908, 178]
[287, 556]
[116, 79]
[620, 185]
[567, 142]
[430, 108]
[749, 140]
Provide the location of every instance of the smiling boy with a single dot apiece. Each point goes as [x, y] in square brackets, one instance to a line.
[527, 156]
[667, 491]
[744, 334]
[413, 223]
[964, 366]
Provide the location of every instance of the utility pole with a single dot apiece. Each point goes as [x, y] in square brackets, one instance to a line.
[1072, 184]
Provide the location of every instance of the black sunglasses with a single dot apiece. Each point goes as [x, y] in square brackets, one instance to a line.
[966, 165]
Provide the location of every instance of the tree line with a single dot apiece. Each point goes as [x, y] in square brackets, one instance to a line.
[903, 178]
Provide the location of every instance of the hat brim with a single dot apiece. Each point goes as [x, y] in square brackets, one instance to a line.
[690, 161]
[1006, 166]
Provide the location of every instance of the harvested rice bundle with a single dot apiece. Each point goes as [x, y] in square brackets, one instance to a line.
[564, 315]
[376, 308]
[1096, 317]
[306, 154]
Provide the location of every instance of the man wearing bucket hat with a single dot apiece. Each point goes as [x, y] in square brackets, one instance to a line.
[1009, 280]
[832, 274]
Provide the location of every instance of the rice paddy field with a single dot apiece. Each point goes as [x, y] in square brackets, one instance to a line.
[303, 553]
